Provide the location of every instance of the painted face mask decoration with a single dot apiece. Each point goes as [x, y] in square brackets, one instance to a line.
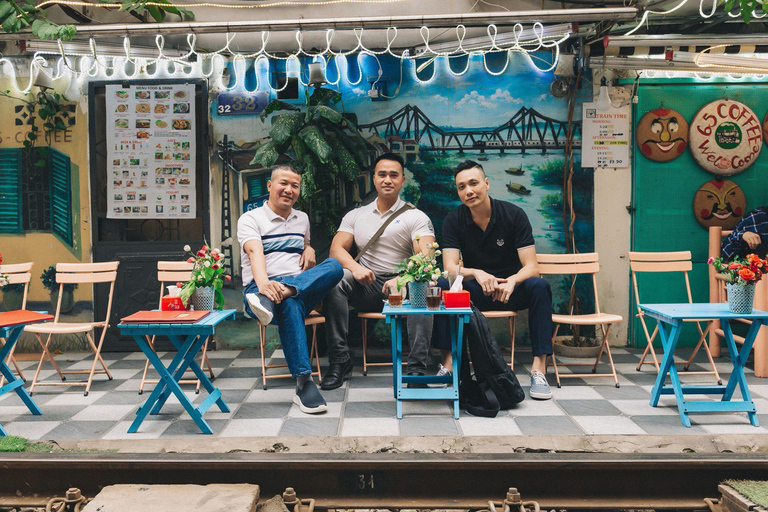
[719, 203]
[662, 134]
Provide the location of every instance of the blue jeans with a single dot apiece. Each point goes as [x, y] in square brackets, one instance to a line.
[311, 286]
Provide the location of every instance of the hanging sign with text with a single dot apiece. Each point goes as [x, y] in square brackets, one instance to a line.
[605, 136]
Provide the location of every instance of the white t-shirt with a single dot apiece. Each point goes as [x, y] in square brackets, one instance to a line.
[395, 244]
[283, 240]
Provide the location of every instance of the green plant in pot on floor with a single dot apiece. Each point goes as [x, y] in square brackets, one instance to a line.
[68, 298]
[13, 294]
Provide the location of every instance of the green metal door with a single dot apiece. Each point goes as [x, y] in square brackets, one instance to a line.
[663, 193]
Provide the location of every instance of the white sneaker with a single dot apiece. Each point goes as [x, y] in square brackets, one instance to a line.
[262, 313]
[441, 372]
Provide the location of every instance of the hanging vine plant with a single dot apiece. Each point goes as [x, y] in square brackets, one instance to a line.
[324, 144]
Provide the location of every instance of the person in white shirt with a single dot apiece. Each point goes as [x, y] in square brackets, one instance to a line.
[364, 282]
[282, 283]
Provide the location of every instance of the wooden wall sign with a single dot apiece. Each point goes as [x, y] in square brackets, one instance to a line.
[726, 137]
[719, 202]
[662, 134]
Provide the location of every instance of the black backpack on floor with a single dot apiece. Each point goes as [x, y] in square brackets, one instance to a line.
[494, 385]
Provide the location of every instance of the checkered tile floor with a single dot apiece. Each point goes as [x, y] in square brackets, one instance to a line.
[591, 406]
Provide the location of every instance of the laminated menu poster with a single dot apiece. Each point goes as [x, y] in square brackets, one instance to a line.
[150, 151]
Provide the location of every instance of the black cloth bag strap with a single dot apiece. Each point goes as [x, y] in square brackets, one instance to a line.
[490, 404]
[377, 234]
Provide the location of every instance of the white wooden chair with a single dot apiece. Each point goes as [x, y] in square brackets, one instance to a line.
[668, 262]
[312, 319]
[80, 273]
[19, 273]
[574, 265]
[173, 272]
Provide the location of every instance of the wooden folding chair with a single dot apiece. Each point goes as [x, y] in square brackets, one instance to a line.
[575, 265]
[668, 262]
[173, 272]
[19, 273]
[312, 319]
[364, 317]
[81, 273]
[511, 317]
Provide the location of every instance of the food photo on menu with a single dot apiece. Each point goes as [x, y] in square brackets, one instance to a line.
[180, 108]
[160, 108]
[122, 95]
[180, 95]
[181, 124]
[162, 95]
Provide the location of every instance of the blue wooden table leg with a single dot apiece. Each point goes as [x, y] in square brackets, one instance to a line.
[457, 337]
[669, 336]
[15, 383]
[166, 382]
[206, 382]
[187, 350]
[739, 359]
[397, 369]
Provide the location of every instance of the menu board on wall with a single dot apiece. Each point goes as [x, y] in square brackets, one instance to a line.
[605, 136]
[150, 151]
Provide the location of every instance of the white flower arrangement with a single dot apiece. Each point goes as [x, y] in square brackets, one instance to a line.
[420, 267]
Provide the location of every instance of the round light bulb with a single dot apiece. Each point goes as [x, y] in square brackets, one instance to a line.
[603, 98]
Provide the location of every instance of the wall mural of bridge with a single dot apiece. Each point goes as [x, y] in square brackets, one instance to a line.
[526, 130]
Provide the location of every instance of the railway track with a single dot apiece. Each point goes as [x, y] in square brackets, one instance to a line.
[573, 481]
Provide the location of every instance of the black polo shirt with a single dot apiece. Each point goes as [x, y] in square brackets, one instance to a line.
[495, 249]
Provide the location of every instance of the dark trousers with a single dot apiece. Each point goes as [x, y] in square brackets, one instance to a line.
[532, 294]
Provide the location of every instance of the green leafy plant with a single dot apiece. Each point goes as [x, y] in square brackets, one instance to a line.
[207, 271]
[4, 279]
[746, 7]
[49, 280]
[323, 143]
[49, 108]
[16, 15]
[421, 267]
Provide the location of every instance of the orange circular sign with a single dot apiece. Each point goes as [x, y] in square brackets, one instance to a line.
[662, 134]
[726, 137]
[719, 202]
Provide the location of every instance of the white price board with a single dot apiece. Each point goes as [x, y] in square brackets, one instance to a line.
[605, 136]
[150, 151]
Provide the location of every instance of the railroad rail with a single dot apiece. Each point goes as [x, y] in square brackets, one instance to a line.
[573, 481]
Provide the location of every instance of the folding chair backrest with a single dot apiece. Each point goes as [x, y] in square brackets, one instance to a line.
[19, 273]
[656, 262]
[173, 272]
[86, 273]
[571, 264]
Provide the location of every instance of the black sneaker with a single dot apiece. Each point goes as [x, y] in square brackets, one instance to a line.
[417, 385]
[309, 399]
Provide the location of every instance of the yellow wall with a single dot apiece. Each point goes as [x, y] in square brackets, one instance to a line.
[46, 249]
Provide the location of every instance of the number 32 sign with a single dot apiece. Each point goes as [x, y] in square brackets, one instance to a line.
[241, 103]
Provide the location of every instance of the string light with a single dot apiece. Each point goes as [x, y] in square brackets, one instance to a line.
[194, 63]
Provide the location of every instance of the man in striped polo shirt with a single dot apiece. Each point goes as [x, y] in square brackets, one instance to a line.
[282, 283]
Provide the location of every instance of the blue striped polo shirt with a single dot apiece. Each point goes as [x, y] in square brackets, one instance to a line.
[283, 240]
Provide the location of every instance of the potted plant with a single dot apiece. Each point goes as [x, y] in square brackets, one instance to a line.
[13, 294]
[49, 281]
[204, 286]
[419, 272]
[576, 345]
[740, 276]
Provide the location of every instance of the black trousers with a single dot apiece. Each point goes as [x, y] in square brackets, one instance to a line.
[533, 294]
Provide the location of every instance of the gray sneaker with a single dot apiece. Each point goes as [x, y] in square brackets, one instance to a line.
[261, 307]
[442, 372]
[539, 386]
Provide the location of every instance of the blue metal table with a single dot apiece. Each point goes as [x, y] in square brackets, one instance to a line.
[188, 338]
[11, 334]
[670, 320]
[396, 316]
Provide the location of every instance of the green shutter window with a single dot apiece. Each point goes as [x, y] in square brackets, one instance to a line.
[10, 191]
[61, 195]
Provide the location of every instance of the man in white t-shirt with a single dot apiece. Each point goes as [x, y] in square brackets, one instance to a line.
[364, 282]
[282, 283]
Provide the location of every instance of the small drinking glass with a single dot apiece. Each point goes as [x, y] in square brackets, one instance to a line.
[434, 295]
[395, 296]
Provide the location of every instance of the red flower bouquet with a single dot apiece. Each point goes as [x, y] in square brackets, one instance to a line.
[741, 271]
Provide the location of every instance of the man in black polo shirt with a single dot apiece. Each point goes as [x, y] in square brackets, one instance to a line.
[495, 241]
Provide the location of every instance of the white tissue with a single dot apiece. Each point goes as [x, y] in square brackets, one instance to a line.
[456, 286]
[173, 291]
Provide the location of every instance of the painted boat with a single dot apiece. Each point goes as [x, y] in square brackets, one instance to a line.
[482, 158]
[518, 189]
[516, 171]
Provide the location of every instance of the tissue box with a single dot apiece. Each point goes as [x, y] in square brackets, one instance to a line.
[456, 299]
[169, 303]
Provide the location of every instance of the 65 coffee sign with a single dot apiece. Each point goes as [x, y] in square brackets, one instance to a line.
[725, 137]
